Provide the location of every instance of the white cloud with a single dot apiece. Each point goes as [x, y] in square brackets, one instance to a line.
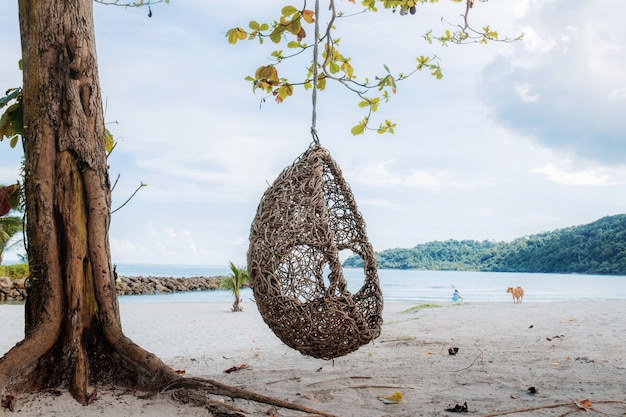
[381, 203]
[388, 174]
[174, 243]
[618, 94]
[486, 212]
[536, 42]
[525, 92]
[126, 251]
[560, 85]
[583, 177]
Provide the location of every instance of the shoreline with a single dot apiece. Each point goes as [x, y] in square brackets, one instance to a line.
[565, 349]
[434, 286]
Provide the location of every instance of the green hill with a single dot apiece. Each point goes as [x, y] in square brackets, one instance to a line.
[594, 248]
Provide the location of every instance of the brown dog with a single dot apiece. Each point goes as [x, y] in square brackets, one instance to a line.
[517, 293]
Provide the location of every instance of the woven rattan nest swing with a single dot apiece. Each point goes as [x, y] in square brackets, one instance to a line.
[303, 221]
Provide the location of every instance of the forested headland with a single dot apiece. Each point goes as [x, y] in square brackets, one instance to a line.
[595, 248]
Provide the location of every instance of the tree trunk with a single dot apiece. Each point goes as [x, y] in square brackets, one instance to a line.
[73, 330]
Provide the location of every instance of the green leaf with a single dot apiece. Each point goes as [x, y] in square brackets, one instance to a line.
[428, 37]
[236, 34]
[387, 127]
[5, 126]
[285, 91]
[277, 33]
[358, 129]
[109, 141]
[294, 27]
[254, 25]
[347, 68]
[321, 82]
[12, 94]
[421, 61]
[11, 122]
[370, 4]
[436, 71]
[374, 104]
[288, 10]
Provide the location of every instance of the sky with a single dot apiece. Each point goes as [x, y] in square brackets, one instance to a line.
[516, 138]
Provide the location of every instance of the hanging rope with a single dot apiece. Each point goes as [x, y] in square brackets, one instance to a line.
[315, 61]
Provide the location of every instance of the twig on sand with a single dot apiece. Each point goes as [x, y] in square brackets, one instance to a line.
[539, 407]
[337, 379]
[291, 378]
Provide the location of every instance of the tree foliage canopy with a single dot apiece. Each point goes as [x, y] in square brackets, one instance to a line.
[594, 248]
[290, 31]
[11, 121]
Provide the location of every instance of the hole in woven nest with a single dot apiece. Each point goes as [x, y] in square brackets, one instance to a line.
[355, 277]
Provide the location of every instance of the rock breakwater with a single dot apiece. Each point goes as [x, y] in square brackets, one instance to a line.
[153, 285]
[12, 289]
[15, 289]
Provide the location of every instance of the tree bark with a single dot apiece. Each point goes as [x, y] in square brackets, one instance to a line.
[73, 330]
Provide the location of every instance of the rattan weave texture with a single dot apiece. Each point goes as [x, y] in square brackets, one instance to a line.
[305, 218]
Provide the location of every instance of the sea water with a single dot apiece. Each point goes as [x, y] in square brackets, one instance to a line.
[410, 285]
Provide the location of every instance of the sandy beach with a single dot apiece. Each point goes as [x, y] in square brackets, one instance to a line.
[568, 351]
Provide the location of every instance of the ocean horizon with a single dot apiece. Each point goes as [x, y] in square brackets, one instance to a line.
[410, 285]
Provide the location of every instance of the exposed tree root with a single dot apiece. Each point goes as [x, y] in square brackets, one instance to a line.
[200, 399]
[184, 389]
